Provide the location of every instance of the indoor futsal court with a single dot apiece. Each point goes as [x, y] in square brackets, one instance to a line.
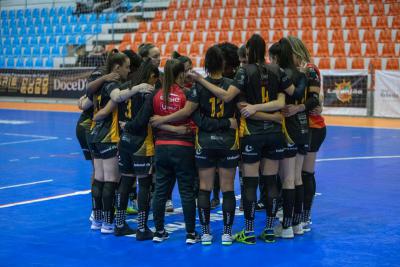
[90, 79]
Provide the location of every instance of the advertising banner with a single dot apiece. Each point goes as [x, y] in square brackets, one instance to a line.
[387, 94]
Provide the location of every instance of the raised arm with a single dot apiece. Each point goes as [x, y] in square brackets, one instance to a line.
[93, 86]
[181, 114]
[118, 95]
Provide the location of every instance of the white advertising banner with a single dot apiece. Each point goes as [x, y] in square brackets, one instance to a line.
[387, 94]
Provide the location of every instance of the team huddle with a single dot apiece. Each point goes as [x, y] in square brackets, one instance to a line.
[141, 126]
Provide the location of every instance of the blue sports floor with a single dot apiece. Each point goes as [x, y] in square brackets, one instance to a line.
[45, 205]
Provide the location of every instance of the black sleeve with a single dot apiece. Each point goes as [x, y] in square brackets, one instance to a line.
[194, 94]
[209, 124]
[141, 120]
[284, 81]
[300, 88]
[111, 87]
[312, 101]
[240, 79]
[97, 73]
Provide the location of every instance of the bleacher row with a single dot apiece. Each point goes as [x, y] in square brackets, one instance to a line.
[344, 34]
[33, 37]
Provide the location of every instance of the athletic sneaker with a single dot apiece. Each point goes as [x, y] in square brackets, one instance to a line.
[246, 238]
[147, 234]
[260, 206]
[279, 214]
[206, 239]
[91, 218]
[268, 235]
[160, 237]
[132, 208]
[124, 230]
[298, 229]
[279, 231]
[192, 238]
[215, 203]
[107, 228]
[306, 226]
[169, 206]
[96, 225]
[226, 239]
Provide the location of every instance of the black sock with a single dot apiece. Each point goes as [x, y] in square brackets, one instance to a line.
[298, 205]
[122, 198]
[228, 210]
[309, 192]
[97, 204]
[216, 188]
[241, 185]
[272, 194]
[204, 207]
[143, 202]
[108, 201]
[288, 196]
[261, 187]
[249, 201]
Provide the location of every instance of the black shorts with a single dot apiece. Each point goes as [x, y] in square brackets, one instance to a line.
[256, 147]
[223, 158]
[317, 137]
[131, 164]
[104, 150]
[292, 150]
[81, 135]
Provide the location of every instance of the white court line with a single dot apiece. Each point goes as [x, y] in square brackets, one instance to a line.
[369, 127]
[19, 185]
[40, 138]
[360, 158]
[85, 192]
[15, 122]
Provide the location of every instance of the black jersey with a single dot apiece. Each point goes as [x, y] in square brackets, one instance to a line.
[296, 127]
[139, 142]
[85, 119]
[106, 130]
[260, 84]
[212, 107]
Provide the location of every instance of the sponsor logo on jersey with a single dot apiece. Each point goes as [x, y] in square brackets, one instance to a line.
[248, 148]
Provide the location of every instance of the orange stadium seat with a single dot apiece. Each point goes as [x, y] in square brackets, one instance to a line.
[369, 36]
[206, 4]
[163, 61]
[292, 12]
[351, 23]
[177, 26]
[173, 37]
[382, 23]
[394, 9]
[185, 37]
[240, 13]
[279, 12]
[239, 24]
[154, 26]
[355, 49]
[396, 23]
[357, 63]
[379, 9]
[307, 36]
[266, 13]
[215, 13]
[188, 25]
[376, 63]
[279, 2]
[306, 23]
[337, 36]
[181, 16]
[165, 26]
[173, 4]
[340, 63]
[228, 13]
[223, 37]
[251, 25]
[334, 11]
[336, 23]
[320, 23]
[371, 50]
[324, 63]
[184, 5]
[169, 48]
[170, 15]
[338, 50]
[196, 4]
[332, 2]
[353, 36]
[182, 48]
[201, 25]
[323, 50]
[265, 24]
[366, 23]
[389, 50]
[306, 11]
[161, 38]
[385, 36]
[231, 3]
[320, 11]
[226, 25]
[322, 36]
[127, 38]
[392, 64]
[198, 37]
[276, 36]
[213, 25]
[195, 49]
[217, 4]
[363, 10]
[237, 37]
[348, 10]
[253, 13]
[292, 24]
[149, 38]
[211, 36]
[278, 24]
[397, 40]
[203, 14]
